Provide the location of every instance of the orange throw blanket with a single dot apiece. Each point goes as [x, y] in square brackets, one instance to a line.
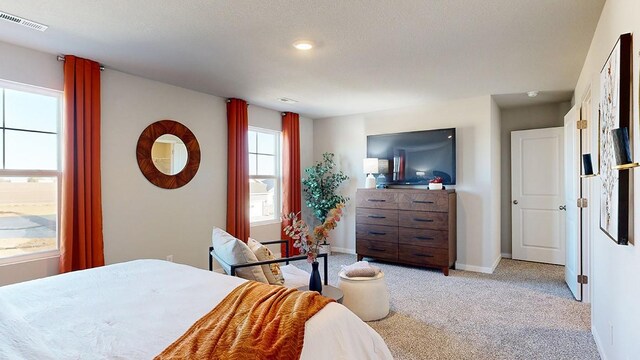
[255, 321]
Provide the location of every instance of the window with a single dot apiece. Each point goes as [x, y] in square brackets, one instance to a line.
[264, 175]
[30, 170]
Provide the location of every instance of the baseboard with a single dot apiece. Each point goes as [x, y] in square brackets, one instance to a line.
[343, 250]
[596, 338]
[480, 269]
[506, 255]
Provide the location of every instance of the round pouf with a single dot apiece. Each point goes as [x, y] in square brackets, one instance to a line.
[367, 297]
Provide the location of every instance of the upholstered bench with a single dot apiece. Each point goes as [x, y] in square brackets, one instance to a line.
[367, 297]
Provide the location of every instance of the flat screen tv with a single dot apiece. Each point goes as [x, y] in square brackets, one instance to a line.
[414, 158]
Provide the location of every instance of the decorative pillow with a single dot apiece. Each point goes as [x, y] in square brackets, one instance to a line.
[233, 251]
[272, 271]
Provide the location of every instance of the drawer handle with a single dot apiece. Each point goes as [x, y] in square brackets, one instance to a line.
[377, 217]
[377, 233]
[376, 249]
[422, 220]
[424, 238]
[376, 200]
[423, 202]
[423, 255]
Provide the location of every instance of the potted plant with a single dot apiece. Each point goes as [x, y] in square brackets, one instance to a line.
[435, 183]
[320, 188]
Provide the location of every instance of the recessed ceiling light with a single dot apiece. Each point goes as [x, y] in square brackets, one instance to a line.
[532, 93]
[303, 45]
[287, 100]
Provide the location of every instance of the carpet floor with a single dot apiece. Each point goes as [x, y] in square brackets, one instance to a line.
[523, 310]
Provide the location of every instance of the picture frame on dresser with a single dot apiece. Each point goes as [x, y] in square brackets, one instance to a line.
[408, 226]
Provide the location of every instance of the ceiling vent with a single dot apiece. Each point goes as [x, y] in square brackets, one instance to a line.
[24, 22]
[287, 100]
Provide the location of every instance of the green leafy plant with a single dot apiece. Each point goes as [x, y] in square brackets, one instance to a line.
[320, 187]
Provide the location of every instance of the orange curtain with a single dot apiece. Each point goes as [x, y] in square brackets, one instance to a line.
[291, 182]
[81, 244]
[238, 169]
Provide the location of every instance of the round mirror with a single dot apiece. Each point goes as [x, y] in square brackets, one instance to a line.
[169, 154]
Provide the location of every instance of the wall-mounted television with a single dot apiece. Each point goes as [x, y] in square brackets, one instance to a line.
[414, 158]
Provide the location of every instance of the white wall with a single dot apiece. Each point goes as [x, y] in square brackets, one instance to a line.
[36, 68]
[140, 219]
[477, 168]
[615, 269]
[31, 67]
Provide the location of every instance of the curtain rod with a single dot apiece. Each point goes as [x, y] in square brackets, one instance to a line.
[61, 58]
[229, 100]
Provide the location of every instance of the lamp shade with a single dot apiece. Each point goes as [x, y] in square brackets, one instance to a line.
[370, 165]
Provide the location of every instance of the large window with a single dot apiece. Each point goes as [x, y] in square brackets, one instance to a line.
[30, 170]
[264, 175]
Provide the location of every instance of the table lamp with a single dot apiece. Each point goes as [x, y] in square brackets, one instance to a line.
[370, 166]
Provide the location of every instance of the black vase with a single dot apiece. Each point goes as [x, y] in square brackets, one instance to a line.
[315, 283]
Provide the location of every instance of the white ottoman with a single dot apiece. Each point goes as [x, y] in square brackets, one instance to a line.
[367, 297]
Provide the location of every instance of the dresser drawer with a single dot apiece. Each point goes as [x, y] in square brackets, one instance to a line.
[377, 249]
[377, 233]
[429, 200]
[419, 255]
[376, 199]
[424, 237]
[377, 217]
[423, 220]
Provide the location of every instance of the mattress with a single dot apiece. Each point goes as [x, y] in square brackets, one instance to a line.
[134, 310]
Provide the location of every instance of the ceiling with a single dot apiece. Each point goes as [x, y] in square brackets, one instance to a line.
[369, 55]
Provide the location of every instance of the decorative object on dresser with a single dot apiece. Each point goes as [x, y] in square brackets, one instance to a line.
[435, 183]
[370, 166]
[407, 226]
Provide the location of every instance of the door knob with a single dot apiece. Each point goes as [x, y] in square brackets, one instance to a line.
[515, 202]
[563, 207]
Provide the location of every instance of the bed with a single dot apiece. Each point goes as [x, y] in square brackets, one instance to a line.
[134, 310]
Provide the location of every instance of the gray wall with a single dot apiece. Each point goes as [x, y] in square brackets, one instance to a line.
[521, 118]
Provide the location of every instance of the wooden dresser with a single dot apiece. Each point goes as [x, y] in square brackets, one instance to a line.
[408, 226]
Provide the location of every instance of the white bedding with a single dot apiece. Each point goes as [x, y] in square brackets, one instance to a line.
[134, 310]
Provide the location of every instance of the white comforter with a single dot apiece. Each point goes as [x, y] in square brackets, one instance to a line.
[134, 310]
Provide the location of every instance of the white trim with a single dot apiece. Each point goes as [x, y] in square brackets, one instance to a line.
[506, 256]
[598, 341]
[343, 250]
[24, 258]
[480, 269]
[265, 222]
[13, 85]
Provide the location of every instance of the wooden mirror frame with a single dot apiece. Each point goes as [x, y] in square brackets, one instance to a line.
[145, 162]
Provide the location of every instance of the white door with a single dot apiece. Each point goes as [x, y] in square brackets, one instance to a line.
[537, 195]
[572, 192]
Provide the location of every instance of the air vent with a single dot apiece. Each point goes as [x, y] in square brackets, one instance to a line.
[287, 100]
[24, 22]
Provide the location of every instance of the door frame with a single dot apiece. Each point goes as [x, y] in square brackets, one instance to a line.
[514, 199]
[587, 112]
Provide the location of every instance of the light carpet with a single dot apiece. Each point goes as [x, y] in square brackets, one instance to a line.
[523, 310]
